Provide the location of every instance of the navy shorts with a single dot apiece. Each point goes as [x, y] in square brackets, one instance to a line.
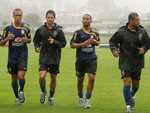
[134, 75]
[51, 68]
[14, 68]
[86, 66]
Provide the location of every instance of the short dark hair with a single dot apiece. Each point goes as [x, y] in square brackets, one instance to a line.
[88, 15]
[50, 12]
[132, 16]
[17, 9]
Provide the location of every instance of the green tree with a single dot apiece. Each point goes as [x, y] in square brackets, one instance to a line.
[33, 19]
[147, 27]
[98, 5]
[106, 8]
[4, 23]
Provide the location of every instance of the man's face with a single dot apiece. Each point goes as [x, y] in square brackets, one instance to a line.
[17, 16]
[135, 22]
[50, 19]
[86, 20]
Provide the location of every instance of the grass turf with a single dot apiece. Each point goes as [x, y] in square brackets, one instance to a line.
[107, 96]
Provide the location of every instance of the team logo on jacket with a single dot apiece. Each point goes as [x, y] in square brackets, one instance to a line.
[92, 36]
[55, 33]
[22, 32]
[140, 36]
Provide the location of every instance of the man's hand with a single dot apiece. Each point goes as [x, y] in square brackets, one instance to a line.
[93, 41]
[38, 50]
[24, 39]
[116, 54]
[51, 40]
[86, 43]
[10, 36]
[141, 51]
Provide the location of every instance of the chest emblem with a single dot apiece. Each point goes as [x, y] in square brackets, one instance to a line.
[140, 36]
[92, 36]
[55, 33]
[22, 32]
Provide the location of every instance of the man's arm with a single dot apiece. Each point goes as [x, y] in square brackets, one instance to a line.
[76, 45]
[113, 43]
[3, 42]
[36, 41]
[146, 45]
[10, 36]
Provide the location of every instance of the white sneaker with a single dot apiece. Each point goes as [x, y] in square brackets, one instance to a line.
[81, 102]
[128, 109]
[42, 99]
[18, 103]
[132, 101]
[87, 103]
[21, 97]
[51, 101]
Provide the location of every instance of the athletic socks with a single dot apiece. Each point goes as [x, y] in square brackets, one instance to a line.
[126, 92]
[51, 93]
[88, 96]
[22, 84]
[80, 94]
[43, 88]
[134, 90]
[15, 88]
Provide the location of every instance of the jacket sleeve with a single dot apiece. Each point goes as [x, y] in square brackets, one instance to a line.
[146, 45]
[114, 43]
[61, 43]
[37, 39]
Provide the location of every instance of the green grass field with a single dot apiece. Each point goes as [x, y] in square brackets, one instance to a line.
[107, 96]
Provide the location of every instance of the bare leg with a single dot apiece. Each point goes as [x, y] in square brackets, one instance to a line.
[42, 80]
[90, 84]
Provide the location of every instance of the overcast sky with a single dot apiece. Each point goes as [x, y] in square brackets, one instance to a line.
[142, 6]
[135, 5]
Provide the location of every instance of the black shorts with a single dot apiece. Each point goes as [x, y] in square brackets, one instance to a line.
[134, 75]
[51, 68]
[14, 68]
[86, 66]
